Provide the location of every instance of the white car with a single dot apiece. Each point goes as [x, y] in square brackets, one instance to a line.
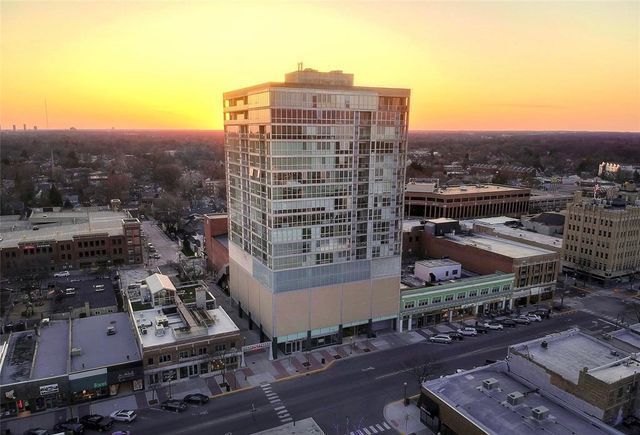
[494, 326]
[441, 338]
[124, 415]
[534, 317]
[468, 331]
[61, 274]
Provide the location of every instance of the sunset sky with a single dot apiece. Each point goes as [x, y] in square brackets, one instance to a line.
[471, 65]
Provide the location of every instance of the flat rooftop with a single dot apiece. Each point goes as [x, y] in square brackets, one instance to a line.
[87, 223]
[629, 336]
[409, 224]
[473, 189]
[99, 349]
[489, 409]
[459, 284]
[438, 262]
[570, 351]
[500, 246]
[222, 325]
[34, 357]
[551, 242]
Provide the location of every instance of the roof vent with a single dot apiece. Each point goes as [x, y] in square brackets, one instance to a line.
[159, 330]
[111, 330]
[76, 351]
[490, 384]
[515, 398]
[544, 344]
[540, 413]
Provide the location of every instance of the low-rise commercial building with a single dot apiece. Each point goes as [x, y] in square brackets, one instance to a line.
[428, 201]
[492, 400]
[451, 301]
[69, 361]
[60, 240]
[181, 332]
[602, 238]
[591, 375]
[536, 269]
[519, 234]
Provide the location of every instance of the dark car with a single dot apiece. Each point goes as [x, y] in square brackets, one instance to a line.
[481, 329]
[69, 426]
[174, 405]
[509, 322]
[456, 336]
[36, 431]
[97, 422]
[196, 398]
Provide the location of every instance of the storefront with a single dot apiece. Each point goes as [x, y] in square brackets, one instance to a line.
[89, 385]
[33, 396]
[125, 378]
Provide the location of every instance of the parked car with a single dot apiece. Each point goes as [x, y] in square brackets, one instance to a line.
[97, 422]
[481, 329]
[69, 426]
[543, 313]
[121, 432]
[524, 320]
[534, 317]
[493, 326]
[441, 338]
[468, 331]
[61, 274]
[196, 398]
[174, 405]
[456, 336]
[508, 322]
[36, 431]
[125, 415]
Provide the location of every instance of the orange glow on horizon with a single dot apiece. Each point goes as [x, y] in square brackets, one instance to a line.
[471, 65]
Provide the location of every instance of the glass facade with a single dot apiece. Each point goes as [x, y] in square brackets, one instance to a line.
[315, 182]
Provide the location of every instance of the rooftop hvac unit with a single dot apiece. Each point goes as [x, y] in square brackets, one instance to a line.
[515, 398]
[540, 413]
[111, 330]
[159, 330]
[490, 384]
[76, 351]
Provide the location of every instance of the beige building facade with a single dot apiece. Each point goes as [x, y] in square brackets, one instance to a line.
[602, 238]
[315, 178]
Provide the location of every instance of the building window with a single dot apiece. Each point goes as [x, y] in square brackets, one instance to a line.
[448, 298]
[164, 358]
[150, 361]
[408, 305]
[495, 290]
[484, 291]
[462, 295]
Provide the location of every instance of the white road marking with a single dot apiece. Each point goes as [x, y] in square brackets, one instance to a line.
[386, 425]
[373, 429]
[286, 420]
[279, 408]
[380, 428]
[366, 431]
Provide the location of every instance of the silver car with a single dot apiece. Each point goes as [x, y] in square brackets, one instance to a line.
[441, 338]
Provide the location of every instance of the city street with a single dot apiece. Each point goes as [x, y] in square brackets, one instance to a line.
[167, 248]
[352, 391]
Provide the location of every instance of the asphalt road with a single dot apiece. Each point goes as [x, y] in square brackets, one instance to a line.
[353, 390]
[167, 248]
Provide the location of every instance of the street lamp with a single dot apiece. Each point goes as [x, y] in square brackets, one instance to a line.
[406, 399]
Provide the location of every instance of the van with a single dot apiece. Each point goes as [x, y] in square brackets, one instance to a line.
[70, 291]
[99, 287]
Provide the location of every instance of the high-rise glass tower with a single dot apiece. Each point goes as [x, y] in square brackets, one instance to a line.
[315, 178]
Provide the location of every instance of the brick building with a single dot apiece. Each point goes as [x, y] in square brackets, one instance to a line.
[536, 269]
[216, 241]
[51, 241]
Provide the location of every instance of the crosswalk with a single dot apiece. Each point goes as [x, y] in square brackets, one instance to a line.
[278, 406]
[602, 316]
[373, 429]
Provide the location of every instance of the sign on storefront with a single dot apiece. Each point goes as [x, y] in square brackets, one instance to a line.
[49, 389]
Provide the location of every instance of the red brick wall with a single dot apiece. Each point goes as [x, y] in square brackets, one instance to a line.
[217, 253]
[472, 259]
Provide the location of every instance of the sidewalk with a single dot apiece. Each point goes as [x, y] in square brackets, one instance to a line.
[405, 419]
